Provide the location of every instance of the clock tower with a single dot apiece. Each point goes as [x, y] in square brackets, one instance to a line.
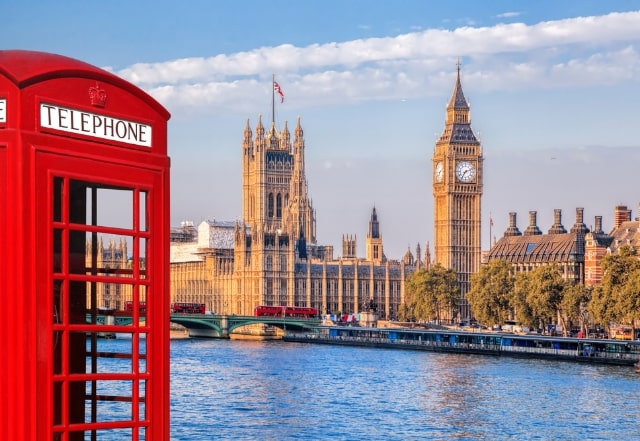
[457, 192]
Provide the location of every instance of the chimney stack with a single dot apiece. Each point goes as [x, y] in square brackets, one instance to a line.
[557, 227]
[598, 228]
[621, 215]
[513, 229]
[532, 229]
[579, 226]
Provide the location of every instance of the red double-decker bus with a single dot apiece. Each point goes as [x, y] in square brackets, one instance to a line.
[288, 311]
[142, 307]
[188, 308]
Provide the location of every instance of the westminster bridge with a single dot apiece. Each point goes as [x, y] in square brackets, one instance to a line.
[215, 326]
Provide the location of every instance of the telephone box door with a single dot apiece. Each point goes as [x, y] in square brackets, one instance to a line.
[98, 274]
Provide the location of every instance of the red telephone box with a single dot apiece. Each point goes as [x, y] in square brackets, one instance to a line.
[84, 166]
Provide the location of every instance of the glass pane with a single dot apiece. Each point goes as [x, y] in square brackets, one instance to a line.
[57, 394]
[78, 302]
[109, 357]
[113, 296]
[143, 252]
[57, 248]
[109, 206]
[143, 211]
[142, 408]
[102, 434]
[58, 302]
[58, 337]
[106, 255]
[112, 398]
[57, 199]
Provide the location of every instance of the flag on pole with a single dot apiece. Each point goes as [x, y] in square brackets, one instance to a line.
[490, 220]
[277, 88]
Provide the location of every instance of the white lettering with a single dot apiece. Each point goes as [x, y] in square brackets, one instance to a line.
[90, 124]
[3, 111]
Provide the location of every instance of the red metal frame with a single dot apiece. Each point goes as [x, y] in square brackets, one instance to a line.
[57, 382]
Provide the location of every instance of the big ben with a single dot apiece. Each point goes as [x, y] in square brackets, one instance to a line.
[457, 192]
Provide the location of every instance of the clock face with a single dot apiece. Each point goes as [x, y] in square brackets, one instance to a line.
[439, 173]
[465, 171]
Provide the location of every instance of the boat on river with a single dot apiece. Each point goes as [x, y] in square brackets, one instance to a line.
[601, 351]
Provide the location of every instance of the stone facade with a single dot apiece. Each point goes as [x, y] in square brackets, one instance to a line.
[625, 232]
[531, 249]
[457, 192]
[578, 252]
[271, 256]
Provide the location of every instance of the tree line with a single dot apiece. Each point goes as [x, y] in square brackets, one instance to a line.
[535, 299]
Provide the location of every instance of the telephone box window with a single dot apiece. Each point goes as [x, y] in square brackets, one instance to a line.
[99, 267]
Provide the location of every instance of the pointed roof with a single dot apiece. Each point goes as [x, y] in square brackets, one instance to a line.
[458, 124]
[458, 100]
[298, 130]
[374, 225]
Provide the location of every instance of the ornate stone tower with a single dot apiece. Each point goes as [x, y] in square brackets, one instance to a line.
[457, 192]
[374, 250]
[278, 217]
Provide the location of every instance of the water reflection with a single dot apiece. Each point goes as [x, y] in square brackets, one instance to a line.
[285, 391]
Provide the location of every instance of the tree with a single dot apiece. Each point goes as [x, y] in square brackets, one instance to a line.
[630, 300]
[615, 299]
[573, 305]
[546, 291]
[418, 304]
[491, 291]
[431, 294]
[519, 302]
[446, 291]
[602, 307]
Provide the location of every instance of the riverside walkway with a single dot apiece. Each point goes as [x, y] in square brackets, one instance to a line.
[597, 351]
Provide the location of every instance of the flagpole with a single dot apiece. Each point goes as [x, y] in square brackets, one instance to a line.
[273, 98]
[490, 229]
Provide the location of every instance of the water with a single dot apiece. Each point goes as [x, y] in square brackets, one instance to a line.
[254, 390]
[244, 390]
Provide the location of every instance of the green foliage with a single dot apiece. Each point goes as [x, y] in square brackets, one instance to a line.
[617, 298]
[491, 291]
[520, 305]
[630, 299]
[575, 299]
[545, 295]
[430, 294]
[535, 298]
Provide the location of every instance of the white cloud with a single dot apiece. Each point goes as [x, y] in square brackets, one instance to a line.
[508, 15]
[576, 51]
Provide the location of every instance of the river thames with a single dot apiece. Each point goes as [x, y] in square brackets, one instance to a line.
[271, 390]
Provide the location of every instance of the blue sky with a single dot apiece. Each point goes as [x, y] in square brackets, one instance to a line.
[554, 88]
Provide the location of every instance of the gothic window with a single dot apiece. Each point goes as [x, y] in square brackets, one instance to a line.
[283, 291]
[364, 289]
[283, 263]
[270, 205]
[269, 263]
[269, 290]
[279, 206]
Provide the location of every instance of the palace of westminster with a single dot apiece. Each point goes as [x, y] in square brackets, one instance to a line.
[271, 256]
